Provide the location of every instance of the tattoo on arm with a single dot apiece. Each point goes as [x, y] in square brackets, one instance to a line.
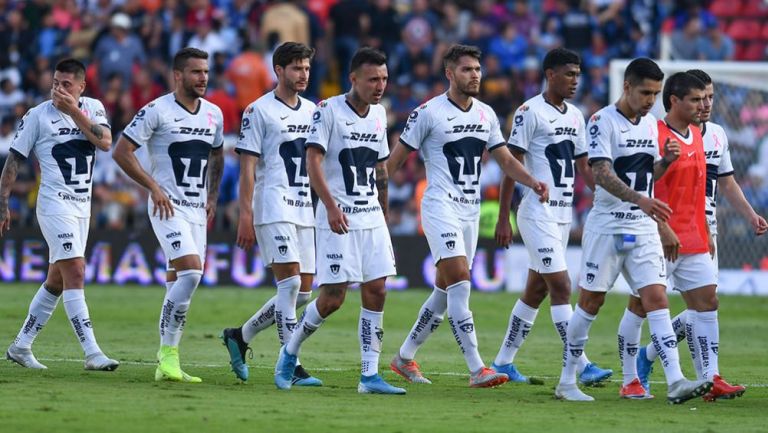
[6, 181]
[382, 185]
[606, 178]
[215, 171]
[98, 131]
[659, 168]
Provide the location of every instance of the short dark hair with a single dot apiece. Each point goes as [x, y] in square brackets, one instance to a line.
[560, 57]
[184, 54]
[701, 75]
[679, 84]
[367, 56]
[640, 69]
[456, 51]
[289, 52]
[71, 66]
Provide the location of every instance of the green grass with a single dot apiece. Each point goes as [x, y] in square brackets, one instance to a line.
[65, 398]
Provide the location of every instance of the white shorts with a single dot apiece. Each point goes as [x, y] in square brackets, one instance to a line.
[546, 242]
[65, 235]
[287, 243]
[692, 271]
[450, 236]
[356, 257]
[179, 237]
[601, 261]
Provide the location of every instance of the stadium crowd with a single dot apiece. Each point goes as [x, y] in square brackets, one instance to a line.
[128, 45]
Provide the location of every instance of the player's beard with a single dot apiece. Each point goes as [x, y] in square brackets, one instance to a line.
[191, 90]
[469, 90]
[294, 86]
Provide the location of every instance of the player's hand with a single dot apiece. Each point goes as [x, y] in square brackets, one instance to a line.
[210, 210]
[246, 235]
[656, 209]
[671, 150]
[503, 232]
[670, 242]
[161, 204]
[542, 190]
[337, 220]
[5, 221]
[759, 224]
[63, 101]
[712, 246]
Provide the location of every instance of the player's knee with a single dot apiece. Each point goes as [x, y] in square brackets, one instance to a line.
[331, 299]
[591, 302]
[73, 274]
[560, 294]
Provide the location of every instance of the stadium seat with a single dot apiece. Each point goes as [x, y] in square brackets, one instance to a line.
[765, 32]
[753, 52]
[755, 9]
[726, 8]
[744, 29]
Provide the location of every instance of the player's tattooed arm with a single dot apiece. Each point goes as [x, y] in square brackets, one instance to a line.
[215, 172]
[7, 179]
[382, 185]
[99, 135]
[671, 153]
[606, 178]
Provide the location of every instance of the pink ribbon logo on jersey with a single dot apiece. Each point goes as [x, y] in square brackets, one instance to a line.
[482, 115]
[210, 118]
[378, 125]
[717, 141]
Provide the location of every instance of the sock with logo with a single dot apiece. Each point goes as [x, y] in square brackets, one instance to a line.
[561, 315]
[263, 319]
[285, 307]
[679, 326]
[576, 338]
[79, 318]
[308, 324]
[430, 317]
[371, 332]
[520, 322]
[665, 342]
[630, 332]
[707, 338]
[176, 305]
[462, 324]
[40, 310]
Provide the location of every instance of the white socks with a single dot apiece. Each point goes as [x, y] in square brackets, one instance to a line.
[630, 330]
[173, 316]
[371, 333]
[665, 342]
[40, 310]
[561, 315]
[430, 317]
[263, 319]
[285, 307]
[310, 321]
[77, 312]
[577, 336]
[707, 340]
[520, 322]
[462, 324]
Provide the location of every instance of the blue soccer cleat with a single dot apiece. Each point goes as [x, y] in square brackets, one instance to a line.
[376, 385]
[644, 369]
[302, 378]
[284, 368]
[593, 375]
[514, 375]
[237, 348]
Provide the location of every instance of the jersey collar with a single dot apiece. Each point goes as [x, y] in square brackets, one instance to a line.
[565, 106]
[472, 102]
[296, 108]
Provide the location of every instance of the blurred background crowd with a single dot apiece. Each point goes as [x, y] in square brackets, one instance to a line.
[127, 46]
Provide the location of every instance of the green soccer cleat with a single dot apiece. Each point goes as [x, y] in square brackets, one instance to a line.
[168, 367]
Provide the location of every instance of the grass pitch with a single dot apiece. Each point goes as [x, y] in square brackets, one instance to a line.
[66, 398]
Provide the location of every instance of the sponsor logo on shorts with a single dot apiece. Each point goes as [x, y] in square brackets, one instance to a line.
[450, 245]
[547, 261]
[335, 268]
[282, 249]
[66, 235]
[546, 250]
[281, 238]
[67, 246]
[448, 235]
[334, 256]
[591, 265]
[172, 235]
[590, 277]
[176, 245]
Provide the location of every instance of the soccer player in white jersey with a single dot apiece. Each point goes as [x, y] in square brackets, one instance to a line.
[346, 153]
[63, 133]
[720, 178]
[452, 131]
[275, 202]
[183, 134]
[621, 232]
[549, 137]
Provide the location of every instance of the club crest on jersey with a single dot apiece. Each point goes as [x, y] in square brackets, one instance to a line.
[450, 245]
[335, 268]
[590, 278]
[547, 261]
[282, 249]
[67, 246]
[176, 245]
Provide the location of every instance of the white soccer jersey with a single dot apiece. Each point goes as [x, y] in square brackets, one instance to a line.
[633, 148]
[65, 155]
[551, 140]
[179, 142]
[718, 155]
[452, 142]
[352, 145]
[276, 133]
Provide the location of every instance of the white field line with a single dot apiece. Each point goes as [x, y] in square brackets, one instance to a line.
[271, 367]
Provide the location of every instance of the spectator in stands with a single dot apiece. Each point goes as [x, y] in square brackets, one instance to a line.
[576, 25]
[9, 96]
[510, 47]
[144, 89]
[208, 38]
[714, 44]
[7, 132]
[249, 75]
[118, 52]
[349, 23]
[524, 21]
[80, 41]
[685, 41]
[287, 20]
[385, 28]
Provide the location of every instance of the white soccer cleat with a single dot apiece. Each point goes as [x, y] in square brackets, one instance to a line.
[100, 362]
[23, 357]
[684, 390]
[571, 393]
